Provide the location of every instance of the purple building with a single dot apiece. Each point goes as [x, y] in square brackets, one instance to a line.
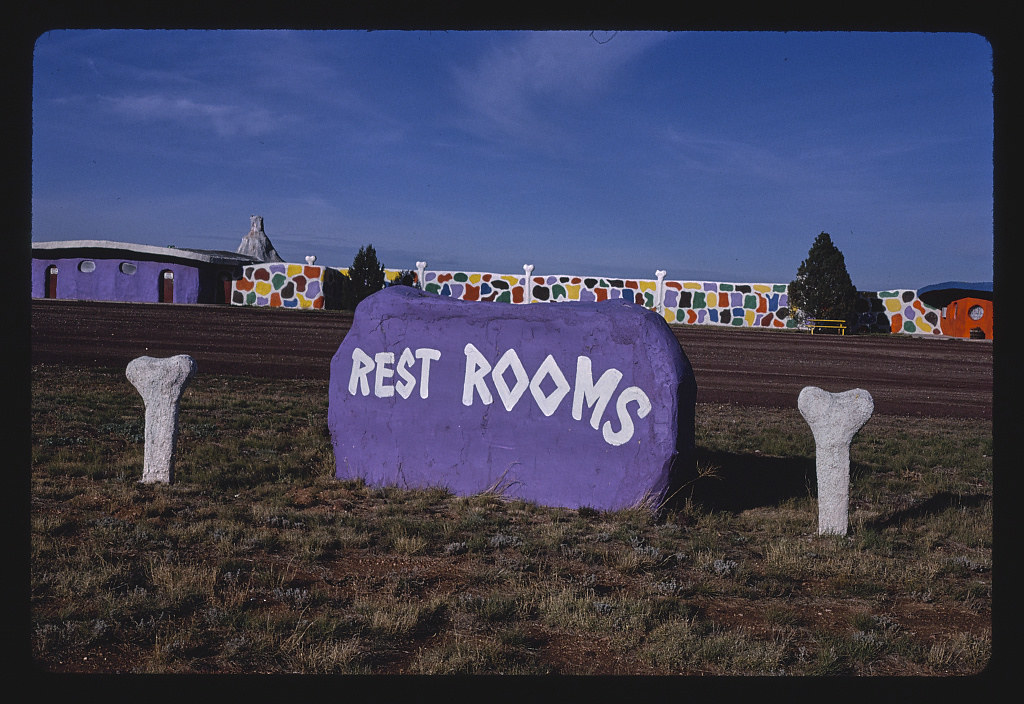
[99, 270]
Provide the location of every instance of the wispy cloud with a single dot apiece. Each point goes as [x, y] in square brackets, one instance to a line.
[511, 85]
[799, 161]
[719, 156]
[225, 119]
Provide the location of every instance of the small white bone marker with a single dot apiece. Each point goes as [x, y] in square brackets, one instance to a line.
[160, 382]
[659, 291]
[527, 270]
[834, 419]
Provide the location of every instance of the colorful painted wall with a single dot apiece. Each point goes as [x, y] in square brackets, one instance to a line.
[279, 285]
[289, 285]
[389, 274]
[686, 302]
[764, 305]
[720, 303]
[896, 311]
[690, 302]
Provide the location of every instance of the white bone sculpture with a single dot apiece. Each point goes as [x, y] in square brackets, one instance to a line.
[834, 419]
[160, 382]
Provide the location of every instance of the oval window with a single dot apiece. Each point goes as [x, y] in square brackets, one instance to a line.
[976, 312]
[87, 266]
[128, 268]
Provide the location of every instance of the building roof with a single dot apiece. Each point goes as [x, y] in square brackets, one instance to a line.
[108, 249]
[938, 295]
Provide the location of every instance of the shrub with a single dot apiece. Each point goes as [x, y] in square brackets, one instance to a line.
[823, 288]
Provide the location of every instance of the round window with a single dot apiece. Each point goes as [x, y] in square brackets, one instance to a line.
[87, 266]
[976, 312]
[128, 268]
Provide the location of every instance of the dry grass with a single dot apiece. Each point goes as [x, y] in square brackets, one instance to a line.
[258, 560]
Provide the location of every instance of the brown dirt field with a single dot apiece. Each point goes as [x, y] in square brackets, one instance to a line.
[930, 376]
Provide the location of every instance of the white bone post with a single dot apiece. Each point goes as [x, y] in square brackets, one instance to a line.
[420, 268]
[834, 419]
[527, 270]
[311, 259]
[160, 382]
[659, 292]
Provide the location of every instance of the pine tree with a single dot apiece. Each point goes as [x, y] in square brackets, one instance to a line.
[406, 277]
[365, 276]
[823, 288]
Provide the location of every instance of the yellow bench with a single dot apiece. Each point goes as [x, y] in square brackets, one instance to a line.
[839, 325]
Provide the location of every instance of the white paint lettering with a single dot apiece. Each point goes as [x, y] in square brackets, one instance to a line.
[382, 360]
[426, 355]
[510, 397]
[390, 379]
[596, 395]
[381, 365]
[625, 432]
[477, 367]
[404, 387]
[548, 404]
[362, 365]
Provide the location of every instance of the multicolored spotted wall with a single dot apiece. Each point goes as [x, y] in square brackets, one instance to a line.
[686, 302]
[719, 303]
[286, 285]
[280, 285]
[897, 311]
[690, 302]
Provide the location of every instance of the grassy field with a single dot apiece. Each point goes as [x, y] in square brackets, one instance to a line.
[258, 561]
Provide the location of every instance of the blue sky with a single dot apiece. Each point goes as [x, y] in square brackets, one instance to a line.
[712, 155]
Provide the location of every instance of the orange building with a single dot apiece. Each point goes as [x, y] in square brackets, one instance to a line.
[966, 308]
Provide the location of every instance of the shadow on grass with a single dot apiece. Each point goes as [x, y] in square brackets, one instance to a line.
[936, 504]
[741, 482]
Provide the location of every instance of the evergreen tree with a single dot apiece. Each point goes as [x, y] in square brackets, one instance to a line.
[365, 276]
[406, 277]
[823, 288]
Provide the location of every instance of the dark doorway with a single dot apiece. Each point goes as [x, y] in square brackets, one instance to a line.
[50, 285]
[167, 286]
[224, 292]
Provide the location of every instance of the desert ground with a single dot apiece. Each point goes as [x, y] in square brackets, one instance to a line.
[914, 376]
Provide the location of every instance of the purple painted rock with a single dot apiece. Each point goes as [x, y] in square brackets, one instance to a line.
[573, 404]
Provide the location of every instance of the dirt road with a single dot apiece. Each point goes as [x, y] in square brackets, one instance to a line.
[905, 375]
